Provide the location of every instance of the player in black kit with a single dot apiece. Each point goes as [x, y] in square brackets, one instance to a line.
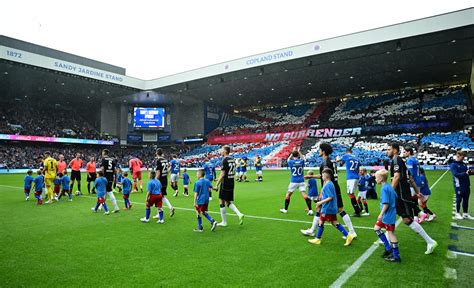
[162, 170]
[108, 165]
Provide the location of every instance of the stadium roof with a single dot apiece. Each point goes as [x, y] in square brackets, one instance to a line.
[434, 50]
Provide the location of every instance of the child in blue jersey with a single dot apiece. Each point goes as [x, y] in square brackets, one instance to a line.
[352, 177]
[210, 171]
[387, 217]
[201, 200]
[362, 196]
[296, 163]
[127, 188]
[187, 181]
[313, 196]
[153, 198]
[27, 184]
[175, 167]
[100, 185]
[119, 180]
[38, 187]
[329, 209]
[65, 185]
[426, 192]
[57, 186]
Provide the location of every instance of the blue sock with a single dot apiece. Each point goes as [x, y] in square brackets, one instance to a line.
[384, 239]
[69, 195]
[105, 207]
[97, 206]
[317, 214]
[342, 229]
[37, 197]
[26, 194]
[126, 206]
[161, 215]
[395, 251]
[199, 222]
[208, 217]
[60, 195]
[147, 215]
[320, 231]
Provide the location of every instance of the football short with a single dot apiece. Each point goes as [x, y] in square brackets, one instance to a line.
[202, 208]
[413, 193]
[164, 185]
[119, 184]
[38, 193]
[351, 186]
[185, 186]
[388, 227]
[48, 181]
[313, 198]
[226, 194]
[100, 200]
[328, 217]
[109, 185]
[91, 176]
[426, 197]
[258, 172]
[75, 175]
[155, 200]
[137, 174]
[174, 177]
[362, 195]
[57, 189]
[405, 208]
[300, 186]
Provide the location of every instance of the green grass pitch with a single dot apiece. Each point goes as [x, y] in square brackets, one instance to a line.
[64, 244]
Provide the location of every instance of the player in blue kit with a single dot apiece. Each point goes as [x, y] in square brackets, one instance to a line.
[387, 217]
[362, 196]
[296, 165]
[127, 188]
[154, 197]
[426, 192]
[65, 185]
[187, 181]
[100, 185]
[27, 184]
[313, 196]
[414, 176]
[462, 185]
[119, 179]
[38, 187]
[175, 167]
[210, 171]
[258, 168]
[201, 200]
[329, 209]
[352, 177]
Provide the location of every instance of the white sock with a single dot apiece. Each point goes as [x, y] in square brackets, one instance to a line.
[315, 223]
[234, 208]
[167, 202]
[348, 222]
[114, 201]
[418, 229]
[224, 221]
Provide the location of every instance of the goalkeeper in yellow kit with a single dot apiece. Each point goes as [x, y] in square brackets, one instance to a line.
[50, 170]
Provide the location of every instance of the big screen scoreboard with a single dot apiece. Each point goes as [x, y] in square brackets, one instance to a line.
[148, 118]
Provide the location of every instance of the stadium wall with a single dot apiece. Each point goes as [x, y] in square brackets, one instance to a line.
[187, 120]
[110, 119]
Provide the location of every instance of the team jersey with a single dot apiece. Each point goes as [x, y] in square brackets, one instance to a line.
[258, 164]
[162, 166]
[424, 187]
[108, 165]
[461, 179]
[362, 183]
[228, 168]
[403, 188]
[76, 164]
[39, 182]
[126, 186]
[414, 169]
[202, 187]
[57, 181]
[297, 170]
[65, 182]
[51, 167]
[327, 163]
[27, 182]
[135, 164]
[388, 196]
[312, 188]
[210, 171]
[243, 165]
[119, 178]
[100, 185]
[329, 191]
[370, 182]
[153, 187]
[175, 166]
[62, 165]
[185, 178]
[91, 167]
[237, 165]
[352, 166]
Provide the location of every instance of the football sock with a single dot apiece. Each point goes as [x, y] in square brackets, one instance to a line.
[320, 231]
[199, 222]
[167, 202]
[162, 215]
[210, 194]
[147, 214]
[384, 239]
[79, 186]
[308, 203]
[366, 206]
[347, 221]
[418, 229]
[89, 187]
[50, 193]
[97, 206]
[359, 202]
[234, 208]
[105, 207]
[341, 228]
[416, 209]
[69, 195]
[126, 205]
[222, 208]
[427, 211]
[114, 201]
[315, 223]
[141, 184]
[71, 186]
[354, 203]
[395, 251]
[287, 203]
[208, 217]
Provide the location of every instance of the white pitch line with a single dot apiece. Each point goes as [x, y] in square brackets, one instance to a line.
[214, 212]
[342, 279]
[462, 253]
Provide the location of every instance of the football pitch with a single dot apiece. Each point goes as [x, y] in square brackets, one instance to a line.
[65, 244]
